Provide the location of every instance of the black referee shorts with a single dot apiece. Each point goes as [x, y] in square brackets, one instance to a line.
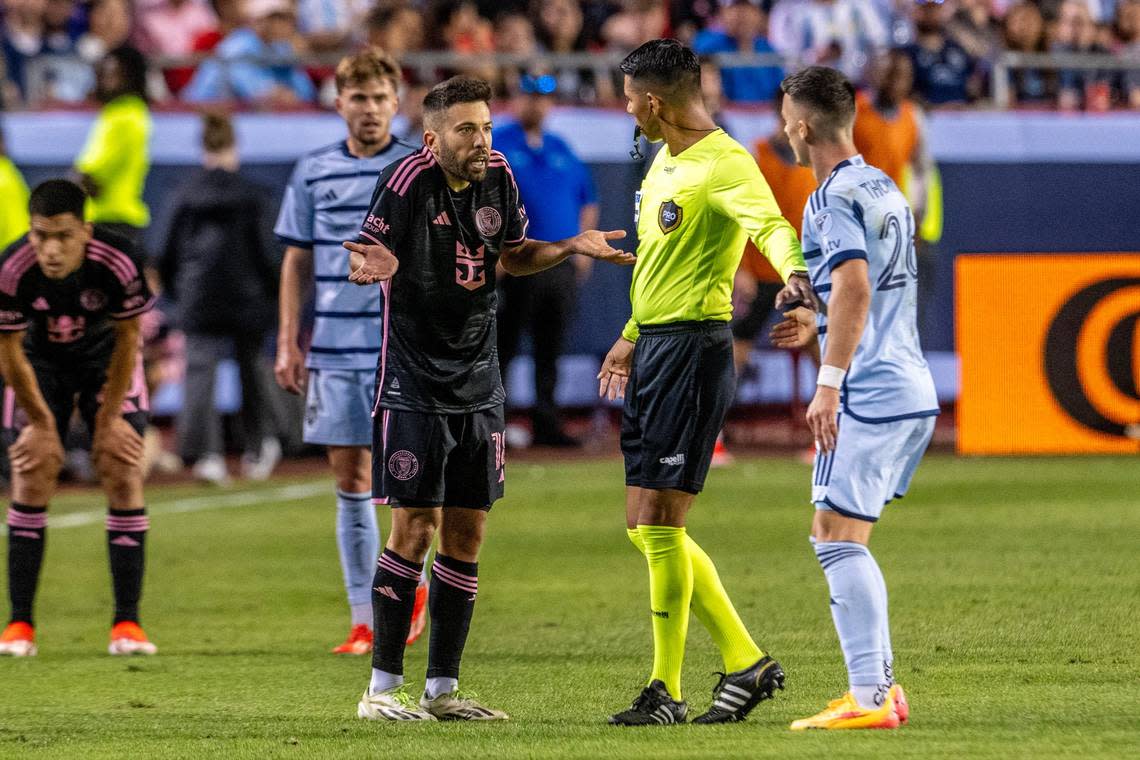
[680, 388]
[423, 459]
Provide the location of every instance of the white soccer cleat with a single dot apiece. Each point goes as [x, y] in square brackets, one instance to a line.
[459, 706]
[391, 704]
[127, 638]
[18, 640]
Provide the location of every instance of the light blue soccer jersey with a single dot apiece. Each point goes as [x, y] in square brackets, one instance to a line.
[859, 213]
[326, 200]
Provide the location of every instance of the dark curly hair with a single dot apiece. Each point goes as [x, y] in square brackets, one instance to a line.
[450, 92]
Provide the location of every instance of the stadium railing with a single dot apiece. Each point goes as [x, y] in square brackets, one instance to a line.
[1007, 63]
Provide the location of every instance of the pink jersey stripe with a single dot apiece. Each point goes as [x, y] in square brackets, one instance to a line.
[398, 178]
[406, 183]
[406, 162]
[17, 519]
[386, 289]
[127, 263]
[453, 578]
[371, 237]
[9, 420]
[113, 259]
[107, 260]
[15, 267]
[397, 569]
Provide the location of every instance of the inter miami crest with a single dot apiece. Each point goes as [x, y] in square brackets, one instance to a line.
[669, 216]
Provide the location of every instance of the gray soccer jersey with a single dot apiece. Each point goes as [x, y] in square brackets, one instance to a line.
[325, 202]
[859, 213]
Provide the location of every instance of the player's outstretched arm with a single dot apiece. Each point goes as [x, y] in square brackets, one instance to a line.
[847, 313]
[38, 444]
[296, 284]
[532, 256]
[370, 263]
[113, 435]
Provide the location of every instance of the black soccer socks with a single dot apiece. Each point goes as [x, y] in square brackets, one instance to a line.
[126, 541]
[26, 528]
[451, 601]
[393, 597]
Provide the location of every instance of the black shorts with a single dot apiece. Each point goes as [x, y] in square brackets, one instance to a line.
[679, 392]
[747, 326]
[421, 459]
[67, 388]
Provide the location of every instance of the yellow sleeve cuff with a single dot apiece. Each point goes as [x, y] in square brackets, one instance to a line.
[630, 332]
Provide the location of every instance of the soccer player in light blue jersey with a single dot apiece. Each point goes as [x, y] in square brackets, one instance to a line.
[874, 406]
[327, 197]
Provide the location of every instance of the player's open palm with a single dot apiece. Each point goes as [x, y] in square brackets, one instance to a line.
[614, 375]
[370, 264]
[797, 330]
[37, 446]
[596, 245]
[115, 438]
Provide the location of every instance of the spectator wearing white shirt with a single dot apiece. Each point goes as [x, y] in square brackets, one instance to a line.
[845, 34]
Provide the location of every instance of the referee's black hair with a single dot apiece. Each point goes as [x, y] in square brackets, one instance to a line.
[827, 93]
[450, 92]
[665, 65]
[133, 66]
[57, 196]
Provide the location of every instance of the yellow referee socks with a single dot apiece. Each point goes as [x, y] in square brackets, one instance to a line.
[711, 605]
[670, 592]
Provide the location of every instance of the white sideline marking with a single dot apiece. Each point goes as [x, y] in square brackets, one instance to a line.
[293, 492]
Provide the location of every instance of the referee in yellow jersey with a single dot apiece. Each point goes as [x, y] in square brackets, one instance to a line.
[703, 196]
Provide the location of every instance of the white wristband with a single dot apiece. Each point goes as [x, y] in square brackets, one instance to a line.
[831, 376]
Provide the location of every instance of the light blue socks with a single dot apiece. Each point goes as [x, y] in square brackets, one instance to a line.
[859, 609]
[358, 540]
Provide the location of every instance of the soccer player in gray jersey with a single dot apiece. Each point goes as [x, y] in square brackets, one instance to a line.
[874, 406]
[327, 197]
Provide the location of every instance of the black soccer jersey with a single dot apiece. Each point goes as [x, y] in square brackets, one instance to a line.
[69, 320]
[439, 352]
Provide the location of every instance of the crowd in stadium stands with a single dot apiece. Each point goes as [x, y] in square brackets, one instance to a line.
[266, 53]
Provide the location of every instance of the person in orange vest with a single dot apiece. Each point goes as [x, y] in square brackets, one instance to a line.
[756, 284]
[889, 128]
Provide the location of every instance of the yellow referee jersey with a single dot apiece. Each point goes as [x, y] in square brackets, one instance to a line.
[693, 213]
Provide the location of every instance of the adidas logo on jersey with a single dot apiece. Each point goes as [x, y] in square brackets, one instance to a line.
[40, 304]
[442, 219]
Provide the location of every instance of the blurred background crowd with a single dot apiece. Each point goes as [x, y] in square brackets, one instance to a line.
[279, 54]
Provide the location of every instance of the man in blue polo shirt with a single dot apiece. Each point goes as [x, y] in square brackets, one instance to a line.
[560, 199]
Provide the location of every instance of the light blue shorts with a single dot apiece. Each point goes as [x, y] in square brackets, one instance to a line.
[338, 407]
[872, 464]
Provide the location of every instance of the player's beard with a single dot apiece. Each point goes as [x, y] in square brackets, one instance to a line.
[465, 170]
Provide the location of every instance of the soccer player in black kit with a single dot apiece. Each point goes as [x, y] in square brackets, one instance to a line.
[440, 220]
[70, 296]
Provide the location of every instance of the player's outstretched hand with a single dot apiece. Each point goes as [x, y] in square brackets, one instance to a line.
[798, 288]
[114, 437]
[289, 369]
[797, 330]
[596, 245]
[37, 446]
[823, 418]
[614, 374]
[370, 263]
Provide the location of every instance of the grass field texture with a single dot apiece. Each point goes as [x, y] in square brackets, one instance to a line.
[1015, 608]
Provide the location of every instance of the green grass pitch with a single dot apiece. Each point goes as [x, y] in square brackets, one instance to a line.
[1015, 605]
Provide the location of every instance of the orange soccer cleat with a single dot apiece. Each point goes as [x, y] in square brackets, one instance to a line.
[359, 641]
[902, 707]
[18, 640]
[419, 613]
[846, 713]
[127, 637]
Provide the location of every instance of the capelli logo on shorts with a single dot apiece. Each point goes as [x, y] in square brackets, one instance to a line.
[676, 460]
[403, 465]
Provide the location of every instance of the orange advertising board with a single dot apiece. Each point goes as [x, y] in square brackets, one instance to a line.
[1049, 346]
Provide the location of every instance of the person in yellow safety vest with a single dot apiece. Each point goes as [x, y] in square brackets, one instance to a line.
[13, 198]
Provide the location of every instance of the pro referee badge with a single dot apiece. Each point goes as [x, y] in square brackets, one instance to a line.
[669, 216]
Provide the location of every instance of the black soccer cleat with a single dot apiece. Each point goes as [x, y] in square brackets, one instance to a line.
[653, 707]
[735, 694]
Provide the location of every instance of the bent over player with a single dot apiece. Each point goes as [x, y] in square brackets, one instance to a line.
[324, 202]
[874, 406]
[703, 196]
[70, 296]
[440, 221]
